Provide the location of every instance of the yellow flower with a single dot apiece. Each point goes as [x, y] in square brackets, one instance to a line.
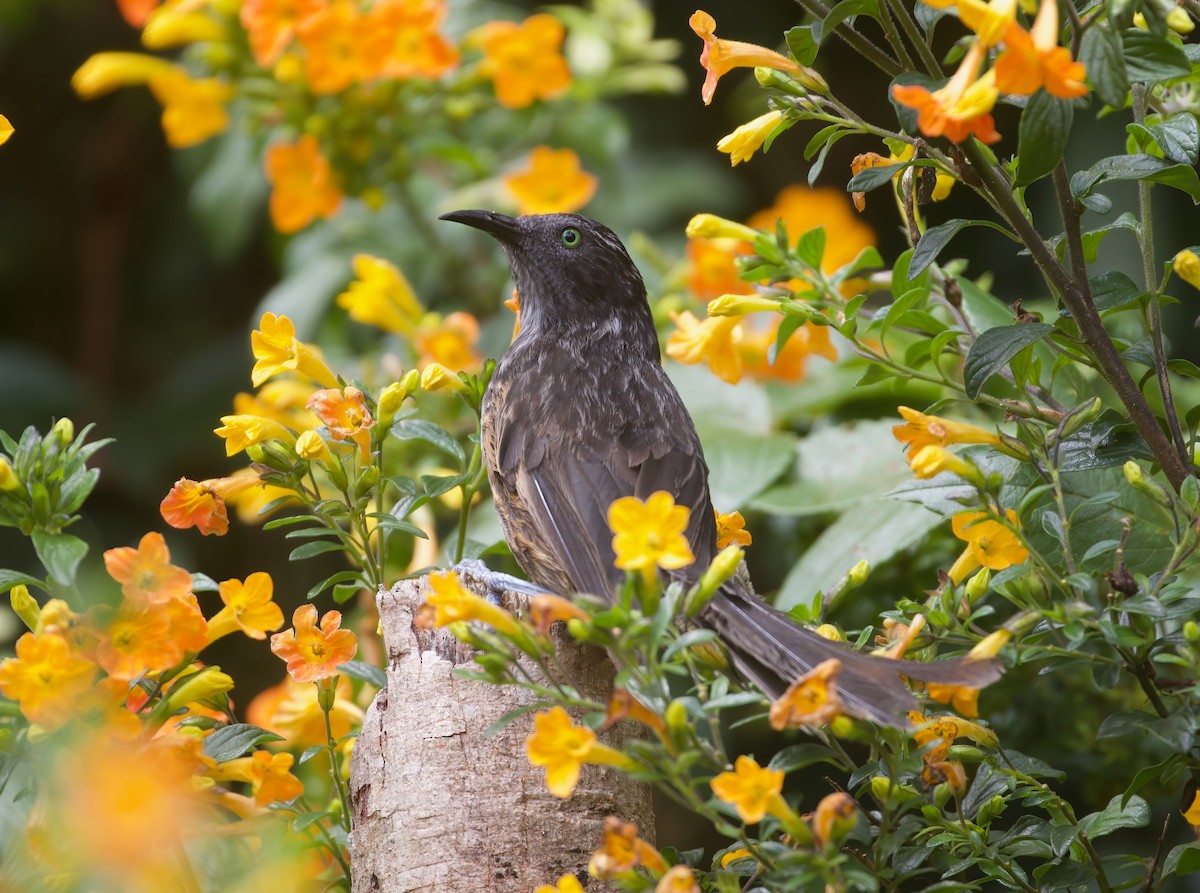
[6, 130]
[381, 296]
[740, 305]
[1192, 814]
[436, 377]
[450, 341]
[987, 19]
[731, 530]
[314, 652]
[713, 341]
[746, 140]
[921, 430]
[811, 701]
[248, 607]
[622, 850]
[930, 461]
[1187, 267]
[962, 107]
[719, 57]
[46, 679]
[105, 72]
[303, 184]
[710, 226]
[524, 61]
[241, 431]
[622, 705]
[312, 446]
[752, 790]
[146, 573]
[568, 883]
[949, 772]
[171, 25]
[451, 602]
[562, 747]
[276, 349]
[546, 610]
[270, 776]
[651, 534]
[679, 879]
[552, 183]
[292, 709]
[989, 544]
[199, 686]
[963, 698]
[733, 855]
[344, 412]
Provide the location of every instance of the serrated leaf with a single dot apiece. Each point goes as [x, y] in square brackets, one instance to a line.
[992, 350]
[369, 673]
[60, 553]
[231, 741]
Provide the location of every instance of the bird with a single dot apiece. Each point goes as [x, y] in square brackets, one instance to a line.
[579, 412]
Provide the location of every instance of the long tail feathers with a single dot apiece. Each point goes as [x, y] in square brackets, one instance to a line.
[773, 651]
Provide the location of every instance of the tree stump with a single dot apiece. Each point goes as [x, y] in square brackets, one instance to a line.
[437, 806]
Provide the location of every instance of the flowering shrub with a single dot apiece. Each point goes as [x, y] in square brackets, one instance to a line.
[1039, 508]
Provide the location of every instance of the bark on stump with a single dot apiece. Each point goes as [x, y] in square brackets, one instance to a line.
[437, 807]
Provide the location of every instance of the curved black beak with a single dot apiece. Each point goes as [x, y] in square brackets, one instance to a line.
[499, 226]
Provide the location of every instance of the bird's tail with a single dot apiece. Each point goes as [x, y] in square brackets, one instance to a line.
[773, 651]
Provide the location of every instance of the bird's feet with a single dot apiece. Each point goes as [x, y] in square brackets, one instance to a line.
[494, 582]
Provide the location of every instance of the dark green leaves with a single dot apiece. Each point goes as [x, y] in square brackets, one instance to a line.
[994, 348]
[232, 741]
[1149, 58]
[1045, 128]
[60, 553]
[803, 43]
[1103, 55]
[1136, 167]
[1110, 290]
[936, 237]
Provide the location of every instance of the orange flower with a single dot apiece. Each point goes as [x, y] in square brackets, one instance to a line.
[712, 268]
[802, 209]
[963, 698]
[719, 56]
[338, 49]
[292, 709]
[313, 653]
[193, 110]
[269, 775]
[103, 708]
[552, 183]
[248, 607]
[678, 879]
[833, 817]
[622, 850]
[546, 610]
[146, 573]
[622, 705]
[271, 25]
[46, 679]
[791, 362]
[920, 430]
[450, 342]
[811, 701]
[303, 184]
[344, 412]
[1033, 59]
[524, 61]
[989, 543]
[713, 341]
[136, 12]
[731, 530]
[410, 43]
[202, 504]
[137, 639]
[960, 109]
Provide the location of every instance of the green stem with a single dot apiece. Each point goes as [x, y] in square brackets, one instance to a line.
[859, 42]
[932, 66]
[333, 761]
[893, 36]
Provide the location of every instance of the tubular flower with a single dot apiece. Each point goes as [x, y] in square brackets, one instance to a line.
[1033, 59]
[411, 44]
[833, 817]
[622, 705]
[304, 188]
[802, 208]
[713, 269]
[678, 879]
[731, 530]
[562, 747]
[921, 430]
[248, 607]
[344, 412]
[276, 349]
[293, 710]
[270, 776]
[146, 573]
[201, 504]
[741, 305]
[546, 610]
[789, 363]
[943, 182]
[193, 110]
[719, 57]
[450, 602]
[622, 850]
[987, 19]
[651, 534]
[990, 544]
[811, 701]
[929, 461]
[170, 26]
[338, 51]
[381, 296]
[551, 183]
[241, 431]
[752, 790]
[710, 226]
[524, 61]
[282, 400]
[963, 698]
[312, 446]
[103, 708]
[46, 678]
[313, 653]
[746, 140]
[1187, 267]
[960, 109]
[713, 341]
[568, 883]
[450, 341]
[105, 72]
[271, 25]
[436, 377]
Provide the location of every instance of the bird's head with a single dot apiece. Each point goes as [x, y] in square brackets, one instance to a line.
[565, 267]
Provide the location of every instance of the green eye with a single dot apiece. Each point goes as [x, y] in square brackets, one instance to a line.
[571, 237]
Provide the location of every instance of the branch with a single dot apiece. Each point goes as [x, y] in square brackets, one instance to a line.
[855, 40]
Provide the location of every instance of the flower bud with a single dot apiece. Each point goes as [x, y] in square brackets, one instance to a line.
[830, 632]
[327, 693]
[676, 716]
[1191, 631]
[978, 586]
[312, 446]
[796, 83]
[8, 477]
[1187, 267]
[722, 568]
[436, 377]
[390, 399]
[24, 605]
[410, 381]
[1137, 478]
[710, 226]
[208, 683]
[738, 305]
[367, 479]
[64, 430]
[1081, 415]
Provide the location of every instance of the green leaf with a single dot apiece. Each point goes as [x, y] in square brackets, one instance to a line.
[874, 177]
[509, 715]
[231, 741]
[300, 822]
[1183, 859]
[419, 429]
[1177, 136]
[308, 550]
[204, 583]
[936, 238]
[742, 464]
[1137, 167]
[848, 9]
[10, 578]
[802, 43]
[1135, 814]
[799, 756]
[992, 350]
[688, 639]
[309, 753]
[369, 673]
[333, 579]
[1112, 289]
[1045, 128]
[1149, 58]
[60, 553]
[1103, 56]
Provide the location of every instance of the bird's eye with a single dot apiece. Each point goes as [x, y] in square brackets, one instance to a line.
[571, 237]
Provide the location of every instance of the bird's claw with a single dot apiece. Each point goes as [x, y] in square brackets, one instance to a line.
[495, 582]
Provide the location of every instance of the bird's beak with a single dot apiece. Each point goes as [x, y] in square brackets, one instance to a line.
[499, 226]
